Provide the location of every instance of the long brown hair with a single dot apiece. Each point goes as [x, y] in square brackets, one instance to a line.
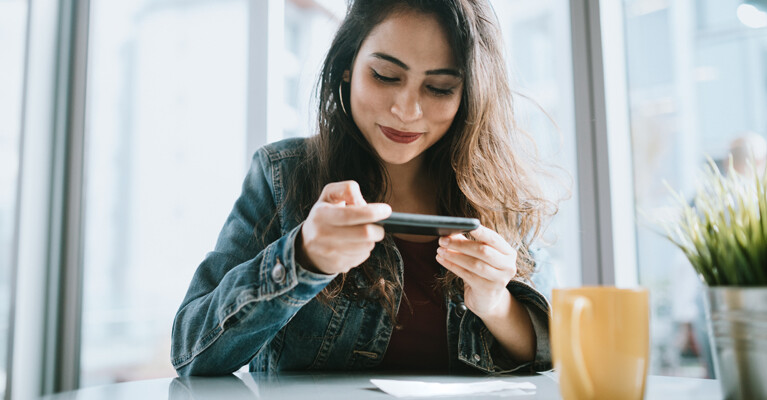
[484, 167]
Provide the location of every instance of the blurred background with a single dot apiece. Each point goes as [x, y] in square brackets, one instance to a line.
[180, 93]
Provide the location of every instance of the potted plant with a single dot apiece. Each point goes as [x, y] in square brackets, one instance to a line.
[723, 233]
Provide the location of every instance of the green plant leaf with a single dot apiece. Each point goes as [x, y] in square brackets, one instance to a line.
[724, 235]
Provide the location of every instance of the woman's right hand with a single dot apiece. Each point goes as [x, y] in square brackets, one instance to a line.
[339, 232]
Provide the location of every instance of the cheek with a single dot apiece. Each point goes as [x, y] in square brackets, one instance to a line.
[366, 98]
[443, 112]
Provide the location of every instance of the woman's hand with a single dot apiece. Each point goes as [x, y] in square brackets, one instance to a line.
[339, 232]
[486, 266]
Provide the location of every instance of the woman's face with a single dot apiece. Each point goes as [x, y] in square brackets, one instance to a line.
[405, 86]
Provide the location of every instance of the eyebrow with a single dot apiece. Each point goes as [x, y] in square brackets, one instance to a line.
[399, 63]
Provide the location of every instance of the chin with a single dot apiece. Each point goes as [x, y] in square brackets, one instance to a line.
[397, 159]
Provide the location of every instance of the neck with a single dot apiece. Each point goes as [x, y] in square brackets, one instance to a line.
[411, 188]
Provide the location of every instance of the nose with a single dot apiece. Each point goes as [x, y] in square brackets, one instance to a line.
[407, 106]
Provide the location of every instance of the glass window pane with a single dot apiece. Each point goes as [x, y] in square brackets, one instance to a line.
[696, 82]
[538, 54]
[166, 112]
[165, 132]
[309, 29]
[13, 21]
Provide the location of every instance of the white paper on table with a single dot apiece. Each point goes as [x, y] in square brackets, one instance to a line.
[429, 389]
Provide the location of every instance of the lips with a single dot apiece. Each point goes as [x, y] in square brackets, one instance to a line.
[399, 136]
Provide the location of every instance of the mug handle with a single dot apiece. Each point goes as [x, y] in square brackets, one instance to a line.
[580, 305]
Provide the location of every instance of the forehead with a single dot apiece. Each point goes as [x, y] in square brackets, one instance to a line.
[417, 39]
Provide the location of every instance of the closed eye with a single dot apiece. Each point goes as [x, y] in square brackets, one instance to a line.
[440, 92]
[382, 78]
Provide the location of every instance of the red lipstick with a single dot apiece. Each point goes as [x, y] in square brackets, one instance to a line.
[399, 136]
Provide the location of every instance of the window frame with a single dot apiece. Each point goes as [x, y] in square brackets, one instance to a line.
[603, 141]
[45, 326]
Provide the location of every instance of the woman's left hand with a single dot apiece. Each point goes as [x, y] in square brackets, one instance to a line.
[486, 266]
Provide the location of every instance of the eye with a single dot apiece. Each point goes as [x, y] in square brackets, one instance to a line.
[440, 92]
[382, 78]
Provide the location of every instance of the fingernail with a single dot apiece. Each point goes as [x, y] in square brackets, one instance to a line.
[440, 250]
[444, 241]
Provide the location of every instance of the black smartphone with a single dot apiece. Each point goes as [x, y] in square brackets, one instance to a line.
[430, 225]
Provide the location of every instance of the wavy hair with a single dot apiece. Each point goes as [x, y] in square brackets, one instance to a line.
[484, 167]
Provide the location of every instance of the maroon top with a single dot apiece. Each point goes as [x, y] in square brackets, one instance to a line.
[419, 341]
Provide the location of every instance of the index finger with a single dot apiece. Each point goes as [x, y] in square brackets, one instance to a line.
[347, 192]
[355, 215]
[491, 237]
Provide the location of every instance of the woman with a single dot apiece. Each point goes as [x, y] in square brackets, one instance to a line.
[415, 116]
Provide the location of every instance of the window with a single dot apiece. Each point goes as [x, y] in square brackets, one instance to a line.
[13, 21]
[696, 81]
[537, 39]
[166, 144]
[164, 164]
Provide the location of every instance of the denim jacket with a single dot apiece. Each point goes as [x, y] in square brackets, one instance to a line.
[251, 303]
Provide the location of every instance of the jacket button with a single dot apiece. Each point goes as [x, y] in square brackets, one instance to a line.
[278, 272]
[477, 357]
[460, 309]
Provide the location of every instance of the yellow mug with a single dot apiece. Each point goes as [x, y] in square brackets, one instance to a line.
[600, 342]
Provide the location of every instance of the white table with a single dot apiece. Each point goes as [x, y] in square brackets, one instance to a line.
[319, 386]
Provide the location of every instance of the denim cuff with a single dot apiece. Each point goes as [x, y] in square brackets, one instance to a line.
[538, 309]
[302, 274]
[485, 353]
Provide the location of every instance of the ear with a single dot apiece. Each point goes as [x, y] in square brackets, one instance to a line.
[347, 76]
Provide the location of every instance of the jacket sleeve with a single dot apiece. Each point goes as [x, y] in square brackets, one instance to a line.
[244, 291]
[485, 353]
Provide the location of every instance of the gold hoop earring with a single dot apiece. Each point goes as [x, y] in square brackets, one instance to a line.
[341, 97]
